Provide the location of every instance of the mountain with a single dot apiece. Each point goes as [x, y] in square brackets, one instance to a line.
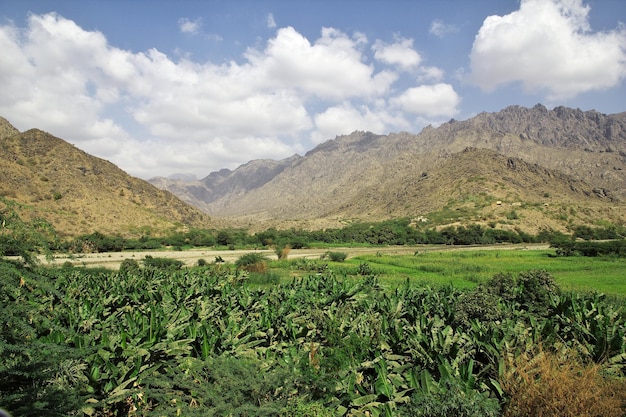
[521, 167]
[77, 193]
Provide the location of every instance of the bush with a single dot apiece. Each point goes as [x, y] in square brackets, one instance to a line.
[452, 398]
[336, 256]
[478, 304]
[129, 266]
[365, 269]
[162, 263]
[300, 408]
[282, 251]
[252, 262]
[531, 291]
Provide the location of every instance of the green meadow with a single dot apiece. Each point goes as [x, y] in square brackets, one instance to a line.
[466, 269]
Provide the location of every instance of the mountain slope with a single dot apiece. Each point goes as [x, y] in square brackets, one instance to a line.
[575, 158]
[79, 193]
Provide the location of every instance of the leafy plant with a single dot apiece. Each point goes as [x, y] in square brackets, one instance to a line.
[450, 397]
[336, 256]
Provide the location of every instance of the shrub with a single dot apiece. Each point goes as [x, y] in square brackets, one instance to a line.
[304, 264]
[202, 262]
[162, 263]
[301, 408]
[547, 384]
[336, 256]
[252, 262]
[452, 398]
[531, 291]
[478, 304]
[282, 251]
[365, 269]
[129, 266]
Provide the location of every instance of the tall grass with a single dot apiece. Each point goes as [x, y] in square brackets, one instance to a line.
[465, 269]
[556, 384]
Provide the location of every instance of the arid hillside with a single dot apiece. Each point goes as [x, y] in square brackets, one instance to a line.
[48, 178]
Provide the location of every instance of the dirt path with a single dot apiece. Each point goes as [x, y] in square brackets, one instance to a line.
[190, 257]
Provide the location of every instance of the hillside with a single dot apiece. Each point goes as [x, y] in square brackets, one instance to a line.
[556, 167]
[78, 193]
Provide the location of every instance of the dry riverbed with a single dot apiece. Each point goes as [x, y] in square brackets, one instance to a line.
[190, 257]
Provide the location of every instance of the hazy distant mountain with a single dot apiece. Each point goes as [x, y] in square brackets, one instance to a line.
[79, 193]
[554, 167]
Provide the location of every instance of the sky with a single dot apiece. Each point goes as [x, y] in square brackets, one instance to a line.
[184, 88]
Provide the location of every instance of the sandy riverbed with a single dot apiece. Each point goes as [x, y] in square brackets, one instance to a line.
[190, 257]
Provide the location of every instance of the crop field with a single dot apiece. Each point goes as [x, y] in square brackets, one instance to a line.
[465, 269]
[431, 333]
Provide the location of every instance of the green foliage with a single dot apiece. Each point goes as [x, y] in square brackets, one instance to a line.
[224, 238]
[196, 342]
[530, 292]
[162, 263]
[307, 408]
[129, 266]
[252, 262]
[97, 242]
[263, 278]
[365, 269]
[452, 398]
[22, 238]
[604, 248]
[336, 256]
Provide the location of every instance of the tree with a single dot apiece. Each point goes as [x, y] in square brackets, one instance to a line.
[224, 238]
[23, 238]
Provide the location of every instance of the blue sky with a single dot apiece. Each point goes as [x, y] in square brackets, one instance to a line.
[190, 87]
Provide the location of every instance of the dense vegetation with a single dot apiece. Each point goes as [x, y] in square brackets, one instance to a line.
[154, 339]
[396, 232]
[156, 342]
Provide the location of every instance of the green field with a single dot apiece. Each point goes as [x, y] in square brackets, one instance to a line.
[467, 268]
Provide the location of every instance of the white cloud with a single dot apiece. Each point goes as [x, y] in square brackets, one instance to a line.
[331, 68]
[344, 119]
[153, 115]
[271, 23]
[429, 100]
[189, 26]
[441, 29]
[400, 53]
[548, 46]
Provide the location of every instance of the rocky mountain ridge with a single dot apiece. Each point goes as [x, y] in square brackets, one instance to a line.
[578, 157]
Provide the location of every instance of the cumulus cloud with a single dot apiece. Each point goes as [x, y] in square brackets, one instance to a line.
[400, 53]
[346, 118]
[548, 46]
[430, 100]
[330, 68]
[154, 115]
[189, 26]
[441, 29]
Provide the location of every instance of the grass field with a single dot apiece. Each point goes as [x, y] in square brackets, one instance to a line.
[465, 269]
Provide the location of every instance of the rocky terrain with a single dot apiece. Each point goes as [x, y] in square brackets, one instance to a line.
[554, 168]
[45, 177]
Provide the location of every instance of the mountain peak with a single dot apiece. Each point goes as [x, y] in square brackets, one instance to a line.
[523, 155]
[6, 128]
